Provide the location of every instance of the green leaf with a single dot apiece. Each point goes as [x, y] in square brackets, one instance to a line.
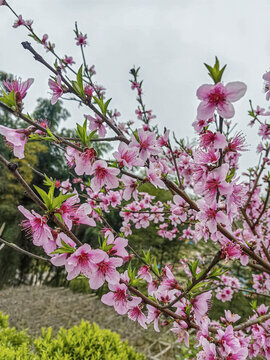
[155, 267]
[58, 201]
[9, 99]
[51, 191]
[198, 286]
[80, 79]
[215, 72]
[64, 249]
[230, 175]
[82, 133]
[44, 197]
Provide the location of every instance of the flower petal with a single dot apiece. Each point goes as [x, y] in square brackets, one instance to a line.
[235, 90]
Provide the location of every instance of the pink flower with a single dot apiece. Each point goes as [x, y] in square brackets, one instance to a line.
[135, 313]
[119, 298]
[230, 317]
[119, 246]
[130, 187]
[215, 183]
[36, 226]
[168, 281]
[154, 176]
[84, 161]
[105, 270]
[127, 156]
[68, 60]
[210, 216]
[104, 175]
[20, 88]
[17, 138]
[264, 131]
[146, 144]
[2, 2]
[80, 216]
[201, 304]
[153, 315]
[217, 140]
[81, 39]
[224, 294]
[83, 261]
[144, 273]
[219, 97]
[19, 22]
[209, 351]
[56, 88]
[163, 140]
[96, 123]
[228, 340]
[89, 90]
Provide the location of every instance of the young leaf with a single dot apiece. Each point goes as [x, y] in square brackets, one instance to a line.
[44, 197]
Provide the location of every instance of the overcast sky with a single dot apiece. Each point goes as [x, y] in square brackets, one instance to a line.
[170, 40]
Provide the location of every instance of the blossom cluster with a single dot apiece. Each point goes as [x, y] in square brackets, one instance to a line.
[210, 202]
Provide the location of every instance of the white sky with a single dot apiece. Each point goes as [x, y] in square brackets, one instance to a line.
[170, 40]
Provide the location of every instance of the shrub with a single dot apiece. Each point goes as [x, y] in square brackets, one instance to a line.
[82, 342]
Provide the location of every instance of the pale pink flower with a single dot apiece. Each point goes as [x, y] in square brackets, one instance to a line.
[80, 215]
[127, 156]
[105, 270]
[240, 354]
[83, 261]
[262, 309]
[119, 246]
[56, 88]
[228, 340]
[163, 140]
[144, 273]
[210, 216]
[36, 226]
[168, 281]
[217, 140]
[19, 22]
[266, 78]
[104, 175]
[135, 313]
[230, 317]
[264, 131]
[2, 2]
[179, 329]
[146, 144]
[29, 23]
[89, 90]
[96, 123]
[44, 39]
[81, 39]
[119, 298]
[154, 176]
[219, 97]
[20, 87]
[224, 294]
[215, 183]
[68, 60]
[201, 304]
[153, 315]
[211, 156]
[17, 138]
[209, 351]
[84, 161]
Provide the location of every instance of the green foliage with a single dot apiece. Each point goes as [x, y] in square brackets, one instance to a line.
[81, 342]
[215, 72]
